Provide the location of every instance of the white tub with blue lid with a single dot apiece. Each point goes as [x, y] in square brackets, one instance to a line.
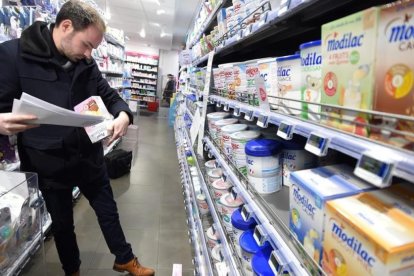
[239, 227]
[263, 165]
[260, 262]
[249, 247]
[294, 157]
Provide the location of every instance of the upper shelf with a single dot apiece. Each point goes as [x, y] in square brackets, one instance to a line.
[296, 26]
[111, 39]
[351, 145]
[207, 23]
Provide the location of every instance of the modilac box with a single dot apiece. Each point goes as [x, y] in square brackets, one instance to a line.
[370, 234]
[395, 71]
[348, 54]
[308, 194]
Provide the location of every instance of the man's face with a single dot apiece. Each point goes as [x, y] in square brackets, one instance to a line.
[79, 45]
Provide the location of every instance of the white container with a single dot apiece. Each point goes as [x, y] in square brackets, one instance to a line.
[220, 187]
[214, 174]
[226, 131]
[240, 139]
[222, 123]
[212, 239]
[216, 253]
[210, 165]
[214, 117]
[268, 71]
[266, 185]
[289, 83]
[202, 204]
[229, 204]
[311, 84]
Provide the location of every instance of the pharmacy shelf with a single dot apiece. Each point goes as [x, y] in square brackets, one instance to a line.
[144, 70]
[151, 78]
[143, 94]
[197, 238]
[113, 73]
[142, 63]
[111, 39]
[234, 267]
[207, 22]
[152, 84]
[141, 88]
[351, 145]
[112, 56]
[300, 24]
[275, 237]
[141, 100]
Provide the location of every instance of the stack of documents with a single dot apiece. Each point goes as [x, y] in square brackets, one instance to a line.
[51, 114]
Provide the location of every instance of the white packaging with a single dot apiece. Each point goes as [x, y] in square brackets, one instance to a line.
[212, 239]
[220, 188]
[226, 131]
[202, 204]
[221, 123]
[266, 185]
[214, 175]
[214, 117]
[289, 83]
[268, 71]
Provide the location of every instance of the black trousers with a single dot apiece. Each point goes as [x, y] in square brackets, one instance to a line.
[100, 197]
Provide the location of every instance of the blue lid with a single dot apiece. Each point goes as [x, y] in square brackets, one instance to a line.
[310, 44]
[238, 221]
[285, 58]
[249, 244]
[260, 262]
[262, 147]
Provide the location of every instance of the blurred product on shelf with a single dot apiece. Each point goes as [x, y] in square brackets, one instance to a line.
[289, 84]
[310, 191]
[250, 247]
[239, 227]
[370, 233]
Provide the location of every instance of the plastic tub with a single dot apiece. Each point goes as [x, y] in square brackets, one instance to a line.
[266, 185]
[214, 117]
[214, 175]
[239, 227]
[202, 204]
[220, 188]
[228, 206]
[212, 239]
[295, 158]
[263, 157]
[249, 247]
[289, 83]
[226, 131]
[220, 124]
[240, 139]
[210, 165]
[260, 262]
[216, 253]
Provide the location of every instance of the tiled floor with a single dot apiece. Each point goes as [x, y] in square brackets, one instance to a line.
[150, 204]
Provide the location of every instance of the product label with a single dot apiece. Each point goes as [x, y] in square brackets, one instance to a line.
[347, 40]
[302, 200]
[312, 59]
[284, 73]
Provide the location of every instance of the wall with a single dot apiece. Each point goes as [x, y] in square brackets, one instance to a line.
[141, 49]
[168, 65]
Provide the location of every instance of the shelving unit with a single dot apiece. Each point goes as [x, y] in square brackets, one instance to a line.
[139, 64]
[275, 35]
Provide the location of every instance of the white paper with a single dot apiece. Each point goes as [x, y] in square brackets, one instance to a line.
[48, 113]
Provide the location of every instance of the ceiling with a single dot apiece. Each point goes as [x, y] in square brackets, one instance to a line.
[133, 15]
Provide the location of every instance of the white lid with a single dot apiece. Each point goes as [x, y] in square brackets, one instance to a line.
[215, 253]
[210, 234]
[233, 128]
[245, 135]
[226, 122]
[266, 60]
[210, 164]
[227, 200]
[217, 115]
[220, 184]
[215, 173]
[201, 197]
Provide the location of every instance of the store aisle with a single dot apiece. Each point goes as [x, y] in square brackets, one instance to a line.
[150, 204]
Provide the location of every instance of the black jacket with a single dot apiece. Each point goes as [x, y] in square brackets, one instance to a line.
[62, 156]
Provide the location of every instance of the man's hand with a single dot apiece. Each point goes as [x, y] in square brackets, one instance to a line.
[118, 127]
[14, 123]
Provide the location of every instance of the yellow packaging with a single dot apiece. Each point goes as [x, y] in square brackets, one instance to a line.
[370, 234]
[348, 54]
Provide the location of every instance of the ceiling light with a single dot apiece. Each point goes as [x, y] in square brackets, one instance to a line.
[107, 14]
[159, 12]
[163, 34]
[155, 24]
[142, 32]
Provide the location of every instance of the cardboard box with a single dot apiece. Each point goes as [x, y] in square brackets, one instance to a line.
[370, 233]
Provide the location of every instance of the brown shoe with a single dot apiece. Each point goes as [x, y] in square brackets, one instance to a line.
[134, 268]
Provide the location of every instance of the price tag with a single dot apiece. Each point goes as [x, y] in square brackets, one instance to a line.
[226, 107]
[214, 229]
[259, 235]
[375, 169]
[317, 144]
[236, 111]
[262, 22]
[239, 35]
[262, 121]
[285, 131]
[274, 263]
[248, 115]
[245, 212]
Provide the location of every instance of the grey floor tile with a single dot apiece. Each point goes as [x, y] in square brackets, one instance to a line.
[174, 248]
[139, 216]
[146, 176]
[168, 272]
[173, 218]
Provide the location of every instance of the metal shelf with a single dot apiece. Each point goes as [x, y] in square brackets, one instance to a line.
[113, 73]
[275, 237]
[351, 145]
[153, 84]
[111, 39]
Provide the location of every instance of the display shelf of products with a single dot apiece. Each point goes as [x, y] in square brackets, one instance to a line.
[351, 145]
[115, 57]
[229, 263]
[141, 88]
[142, 100]
[113, 73]
[46, 225]
[140, 82]
[111, 39]
[142, 63]
[143, 94]
[197, 238]
[145, 77]
[143, 70]
[305, 17]
[207, 22]
[275, 228]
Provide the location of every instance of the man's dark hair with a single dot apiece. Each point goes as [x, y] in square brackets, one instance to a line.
[81, 14]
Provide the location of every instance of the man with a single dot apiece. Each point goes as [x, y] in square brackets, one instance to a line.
[53, 62]
[169, 89]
